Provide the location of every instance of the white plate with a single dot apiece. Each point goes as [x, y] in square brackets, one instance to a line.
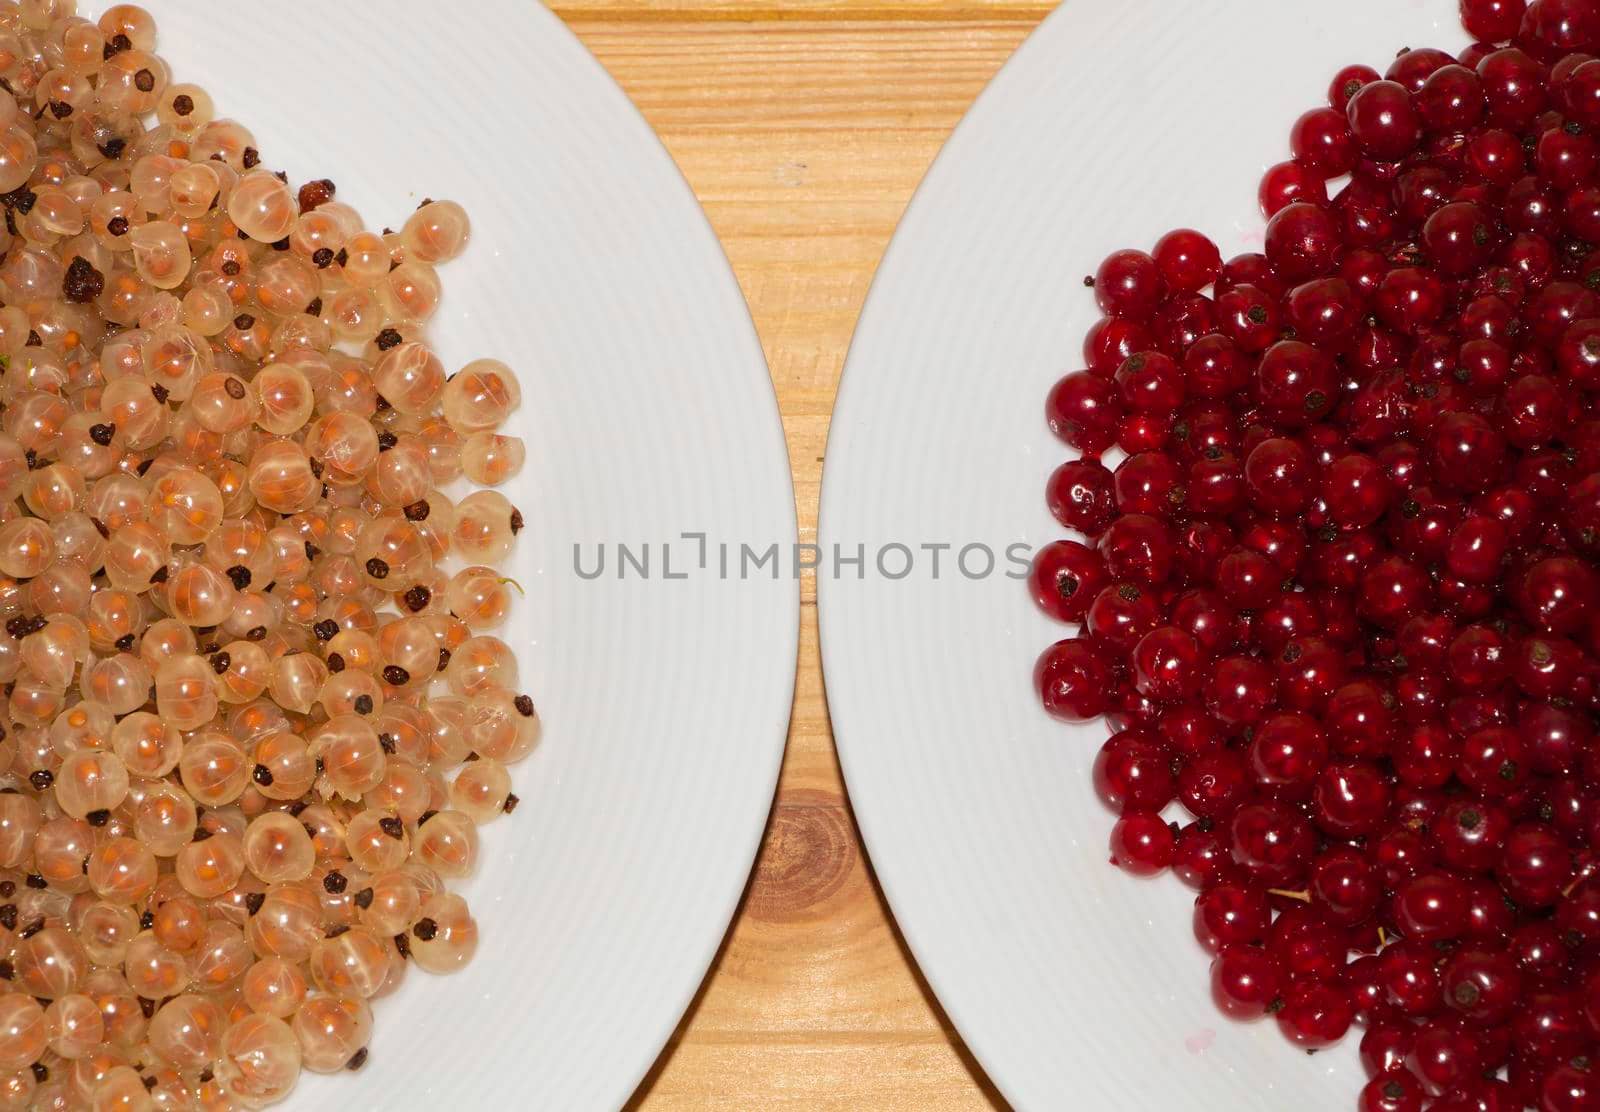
[648, 411]
[1117, 121]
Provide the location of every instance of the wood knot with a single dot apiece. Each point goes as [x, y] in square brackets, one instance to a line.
[808, 854]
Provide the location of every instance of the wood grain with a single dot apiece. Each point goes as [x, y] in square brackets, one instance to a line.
[804, 126]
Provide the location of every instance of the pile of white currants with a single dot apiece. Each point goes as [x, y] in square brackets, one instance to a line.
[254, 708]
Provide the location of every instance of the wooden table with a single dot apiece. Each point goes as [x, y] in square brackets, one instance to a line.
[804, 126]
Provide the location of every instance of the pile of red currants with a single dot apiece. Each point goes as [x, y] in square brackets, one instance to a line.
[1340, 595]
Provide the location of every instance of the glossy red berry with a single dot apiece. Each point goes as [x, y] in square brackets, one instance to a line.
[1295, 383]
[1513, 87]
[1168, 666]
[1549, 1026]
[1188, 261]
[1432, 907]
[1133, 772]
[1535, 865]
[1482, 986]
[1287, 752]
[1450, 100]
[1315, 1015]
[1231, 914]
[1492, 20]
[1557, 594]
[1551, 28]
[1240, 690]
[1245, 982]
[1344, 887]
[1302, 241]
[1128, 284]
[1290, 182]
[1083, 410]
[1383, 121]
[1413, 66]
[1356, 490]
[1470, 834]
[1350, 799]
[1569, 1087]
[1121, 614]
[1443, 1057]
[1111, 340]
[1142, 843]
[1458, 237]
[1397, 1091]
[1347, 82]
[1081, 496]
[1066, 576]
[1200, 857]
[1322, 143]
[1073, 679]
[1271, 842]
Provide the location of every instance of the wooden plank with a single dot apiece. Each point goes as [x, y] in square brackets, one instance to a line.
[773, 11]
[804, 127]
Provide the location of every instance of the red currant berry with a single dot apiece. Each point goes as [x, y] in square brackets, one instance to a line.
[1470, 834]
[1065, 578]
[1393, 591]
[1549, 1026]
[1280, 476]
[1240, 690]
[1357, 491]
[1121, 614]
[1569, 1087]
[1551, 28]
[1348, 82]
[1350, 800]
[1271, 842]
[1168, 666]
[1412, 68]
[1482, 986]
[1148, 483]
[1245, 981]
[1111, 340]
[1128, 284]
[1188, 260]
[1492, 20]
[1141, 843]
[1200, 856]
[1150, 382]
[1557, 594]
[1083, 410]
[1080, 496]
[1344, 887]
[1132, 772]
[1443, 1056]
[1411, 978]
[1288, 183]
[1396, 1091]
[1383, 121]
[1432, 907]
[1302, 241]
[1073, 679]
[1295, 383]
[1535, 865]
[1458, 237]
[1513, 86]
[1410, 299]
[1287, 752]
[1451, 100]
[1315, 1015]
[1321, 142]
